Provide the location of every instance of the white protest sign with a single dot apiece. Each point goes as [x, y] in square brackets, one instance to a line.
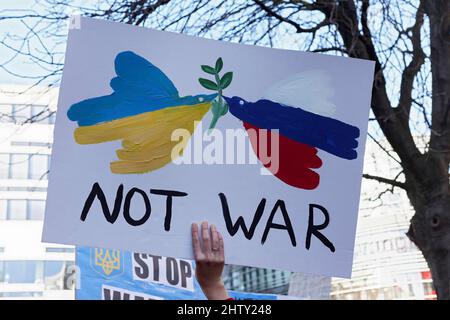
[279, 171]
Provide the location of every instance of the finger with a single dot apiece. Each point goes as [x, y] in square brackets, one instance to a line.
[196, 241]
[206, 238]
[221, 246]
[214, 238]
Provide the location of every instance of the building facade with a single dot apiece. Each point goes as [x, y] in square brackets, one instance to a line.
[250, 279]
[29, 269]
[386, 264]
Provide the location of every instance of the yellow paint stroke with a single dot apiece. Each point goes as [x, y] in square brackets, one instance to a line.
[146, 138]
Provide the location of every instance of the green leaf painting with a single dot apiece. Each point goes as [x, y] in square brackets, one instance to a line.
[208, 84]
[219, 106]
[219, 65]
[226, 80]
[208, 69]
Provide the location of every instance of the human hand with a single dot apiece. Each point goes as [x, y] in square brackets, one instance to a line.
[209, 260]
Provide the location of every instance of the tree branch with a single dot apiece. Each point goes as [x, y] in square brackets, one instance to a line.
[361, 46]
[410, 72]
[298, 27]
[392, 182]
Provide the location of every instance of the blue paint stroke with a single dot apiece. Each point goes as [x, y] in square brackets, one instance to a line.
[139, 87]
[330, 135]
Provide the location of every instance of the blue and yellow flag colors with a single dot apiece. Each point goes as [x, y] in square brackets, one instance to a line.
[143, 111]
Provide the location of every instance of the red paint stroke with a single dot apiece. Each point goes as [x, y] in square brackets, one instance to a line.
[295, 159]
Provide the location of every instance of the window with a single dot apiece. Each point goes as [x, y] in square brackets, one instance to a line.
[24, 166]
[36, 209]
[4, 165]
[19, 166]
[17, 210]
[48, 164]
[42, 114]
[52, 117]
[3, 209]
[56, 275]
[21, 113]
[53, 268]
[5, 113]
[38, 166]
[21, 209]
[23, 272]
[50, 273]
[38, 114]
[428, 287]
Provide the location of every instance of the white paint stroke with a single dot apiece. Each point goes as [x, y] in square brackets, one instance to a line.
[310, 90]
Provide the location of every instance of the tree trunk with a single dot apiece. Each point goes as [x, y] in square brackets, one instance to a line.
[430, 231]
[430, 226]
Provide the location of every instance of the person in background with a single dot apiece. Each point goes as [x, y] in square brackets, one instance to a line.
[210, 260]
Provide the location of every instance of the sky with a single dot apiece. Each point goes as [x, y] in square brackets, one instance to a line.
[26, 67]
[11, 28]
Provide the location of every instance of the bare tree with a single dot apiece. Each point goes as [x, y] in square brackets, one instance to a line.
[409, 40]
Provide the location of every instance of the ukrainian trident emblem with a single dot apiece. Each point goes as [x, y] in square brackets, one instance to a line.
[107, 262]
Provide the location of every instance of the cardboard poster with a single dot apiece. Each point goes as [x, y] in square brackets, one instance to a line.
[156, 130]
